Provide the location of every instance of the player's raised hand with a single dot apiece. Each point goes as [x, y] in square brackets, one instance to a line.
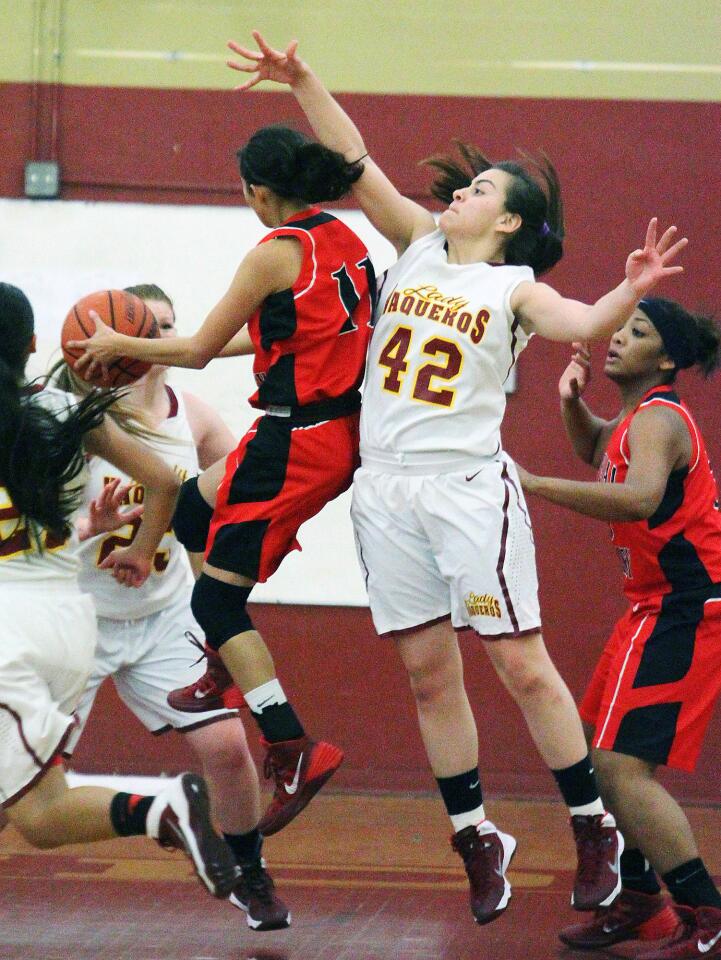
[105, 512]
[646, 266]
[266, 63]
[577, 375]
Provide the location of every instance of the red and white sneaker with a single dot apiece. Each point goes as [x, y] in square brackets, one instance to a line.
[255, 894]
[632, 916]
[698, 934]
[599, 846]
[300, 768]
[486, 857]
[179, 817]
[215, 690]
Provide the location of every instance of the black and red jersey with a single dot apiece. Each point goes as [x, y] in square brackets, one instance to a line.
[310, 340]
[679, 547]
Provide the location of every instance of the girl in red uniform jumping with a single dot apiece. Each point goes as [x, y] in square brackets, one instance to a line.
[304, 294]
[651, 696]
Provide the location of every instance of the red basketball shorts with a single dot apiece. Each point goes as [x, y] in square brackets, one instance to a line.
[282, 474]
[654, 688]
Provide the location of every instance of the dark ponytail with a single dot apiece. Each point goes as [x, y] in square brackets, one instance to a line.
[40, 450]
[538, 243]
[295, 167]
[708, 350]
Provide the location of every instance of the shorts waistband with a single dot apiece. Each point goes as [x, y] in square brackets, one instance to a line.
[331, 408]
[418, 464]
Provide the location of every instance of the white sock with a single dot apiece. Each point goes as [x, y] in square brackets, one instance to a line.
[593, 809]
[268, 694]
[471, 818]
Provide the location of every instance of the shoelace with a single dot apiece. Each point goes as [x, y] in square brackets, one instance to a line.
[592, 851]
[191, 638]
[466, 848]
[258, 881]
[619, 911]
[272, 768]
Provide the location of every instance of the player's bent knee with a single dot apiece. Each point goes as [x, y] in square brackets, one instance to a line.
[35, 829]
[191, 521]
[220, 609]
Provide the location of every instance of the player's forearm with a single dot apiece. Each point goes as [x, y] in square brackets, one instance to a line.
[159, 508]
[582, 427]
[330, 123]
[609, 312]
[604, 501]
[176, 352]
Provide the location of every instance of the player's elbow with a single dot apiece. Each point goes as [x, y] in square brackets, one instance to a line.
[644, 504]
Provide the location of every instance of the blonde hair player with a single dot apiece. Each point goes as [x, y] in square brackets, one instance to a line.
[143, 644]
[443, 532]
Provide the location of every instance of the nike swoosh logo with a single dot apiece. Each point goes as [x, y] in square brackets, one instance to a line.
[705, 947]
[610, 928]
[199, 694]
[472, 476]
[474, 785]
[293, 785]
[267, 700]
[613, 867]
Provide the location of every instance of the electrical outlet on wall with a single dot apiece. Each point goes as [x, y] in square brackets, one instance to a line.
[42, 179]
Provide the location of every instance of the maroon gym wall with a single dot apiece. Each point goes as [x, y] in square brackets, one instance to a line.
[620, 163]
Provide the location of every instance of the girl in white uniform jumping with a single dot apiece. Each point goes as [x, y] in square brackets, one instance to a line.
[442, 528]
[143, 640]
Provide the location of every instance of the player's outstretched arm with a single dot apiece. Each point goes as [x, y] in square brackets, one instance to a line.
[400, 220]
[265, 269]
[544, 311]
[658, 442]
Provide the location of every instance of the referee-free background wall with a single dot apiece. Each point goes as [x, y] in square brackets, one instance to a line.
[133, 101]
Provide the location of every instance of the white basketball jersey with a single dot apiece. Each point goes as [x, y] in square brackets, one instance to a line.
[170, 572]
[444, 342]
[20, 558]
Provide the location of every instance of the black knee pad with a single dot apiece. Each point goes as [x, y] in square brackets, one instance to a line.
[191, 520]
[220, 609]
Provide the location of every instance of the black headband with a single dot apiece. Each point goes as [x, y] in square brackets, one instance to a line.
[680, 340]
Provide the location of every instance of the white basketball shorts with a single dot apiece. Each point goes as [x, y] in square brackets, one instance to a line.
[459, 543]
[147, 658]
[46, 655]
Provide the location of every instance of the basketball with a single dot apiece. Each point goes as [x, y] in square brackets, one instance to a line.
[122, 311]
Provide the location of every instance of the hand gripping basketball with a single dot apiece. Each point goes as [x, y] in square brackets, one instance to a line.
[96, 316]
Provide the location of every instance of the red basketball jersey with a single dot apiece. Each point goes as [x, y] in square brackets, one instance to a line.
[679, 547]
[311, 340]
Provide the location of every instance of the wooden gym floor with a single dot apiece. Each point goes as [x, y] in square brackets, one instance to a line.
[367, 877]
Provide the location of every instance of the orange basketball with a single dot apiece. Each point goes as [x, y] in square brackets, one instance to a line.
[122, 311]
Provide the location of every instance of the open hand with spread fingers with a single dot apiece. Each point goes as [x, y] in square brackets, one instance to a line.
[647, 266]
[105, 512]
[282, 66]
